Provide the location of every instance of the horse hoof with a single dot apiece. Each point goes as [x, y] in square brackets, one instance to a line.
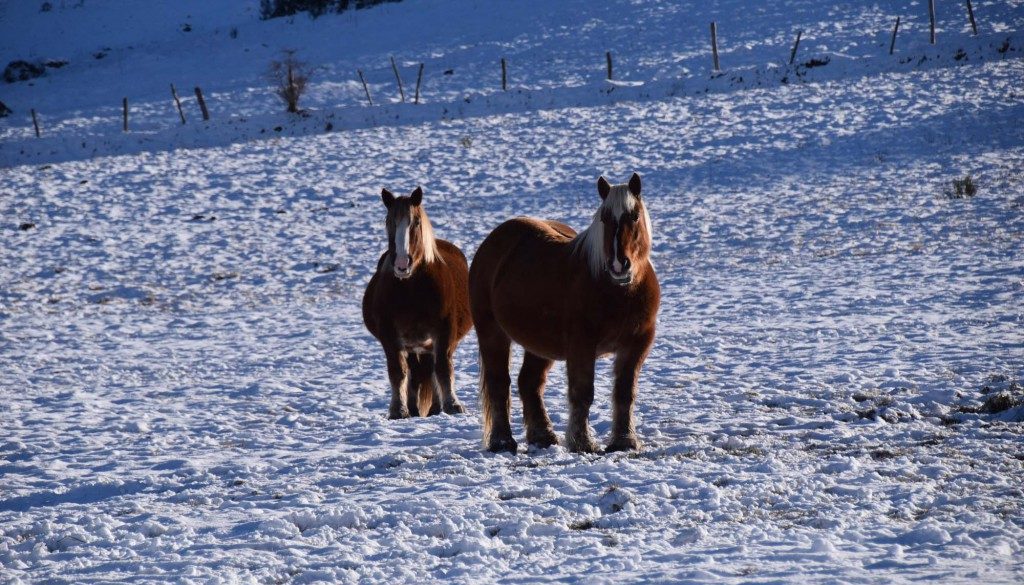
[398, 414]
[581, 445]
[623, 444]
[503, 446]
[454, 408]
[542, 440]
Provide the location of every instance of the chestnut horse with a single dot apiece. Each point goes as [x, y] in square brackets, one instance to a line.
[417, 306]
[564, 296]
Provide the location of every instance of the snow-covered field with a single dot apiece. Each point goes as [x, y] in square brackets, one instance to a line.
[187, 392]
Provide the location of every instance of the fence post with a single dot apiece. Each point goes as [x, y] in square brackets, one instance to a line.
[419, 78]
[931, 16]
[504, 75]
[366, 88]
[124, 103]
[202, 103]
[174, 94]
[895, 29]
[35, 123]
[608, 56]
[792, 55]
[970, 14]
[714, 44]
[395, 68]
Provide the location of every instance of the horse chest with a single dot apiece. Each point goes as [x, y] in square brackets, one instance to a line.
[414, 322]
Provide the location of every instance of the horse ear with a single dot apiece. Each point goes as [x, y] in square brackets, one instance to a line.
[634, 185]
[417, 196]
[387, 197]
[603, 187]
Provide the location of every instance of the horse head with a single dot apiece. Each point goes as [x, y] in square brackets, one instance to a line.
[410, 235]
[625, 230]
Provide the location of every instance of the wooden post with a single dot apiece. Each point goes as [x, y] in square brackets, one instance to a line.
[895, 29]
[419, 78]
[970, 14]
[931, 16]
[125, 107]
[35, 123]
[608, 56]
[202, 103]
[395, 68]
[366, 88]
[792, 55]
[504, 75]
[174, 94]
[714, 44]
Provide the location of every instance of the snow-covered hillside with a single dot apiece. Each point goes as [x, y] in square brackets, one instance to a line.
[187, 392]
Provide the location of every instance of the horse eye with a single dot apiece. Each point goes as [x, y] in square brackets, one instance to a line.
[635, 217]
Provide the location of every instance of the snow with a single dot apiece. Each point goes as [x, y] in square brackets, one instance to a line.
[190, 395]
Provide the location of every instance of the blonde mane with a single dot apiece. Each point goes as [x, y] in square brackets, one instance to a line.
[430, 253]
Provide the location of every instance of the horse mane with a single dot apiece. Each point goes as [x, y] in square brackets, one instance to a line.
[430, 253]
[590, 242]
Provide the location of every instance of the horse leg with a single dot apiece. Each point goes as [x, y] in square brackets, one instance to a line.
[532, 377]
[495, 387]
[578, 436]
[627, 368]
[444, 376]
[398, 375]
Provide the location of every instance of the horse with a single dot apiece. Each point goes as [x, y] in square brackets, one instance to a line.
[565, 296]
[417, 306]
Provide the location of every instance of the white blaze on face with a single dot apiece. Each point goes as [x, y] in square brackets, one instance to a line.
[402, 259]
[616, 265]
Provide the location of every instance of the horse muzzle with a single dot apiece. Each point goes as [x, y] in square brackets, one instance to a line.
[403, 267]
[624, 278]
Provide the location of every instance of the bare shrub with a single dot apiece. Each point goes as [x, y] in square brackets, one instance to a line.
[290, 77]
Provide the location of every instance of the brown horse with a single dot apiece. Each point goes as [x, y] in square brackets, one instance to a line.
[417, 306]
[564, 296]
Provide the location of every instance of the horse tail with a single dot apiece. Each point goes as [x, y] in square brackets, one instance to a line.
[485, 402]
[421, 384]
[425, 398]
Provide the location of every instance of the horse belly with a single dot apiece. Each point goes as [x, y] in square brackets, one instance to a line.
[534, 321]
[419, 345]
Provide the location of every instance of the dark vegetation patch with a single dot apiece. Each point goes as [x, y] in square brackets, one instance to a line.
[816, 62]
[19, 70]
[884, 407]
[881, 454]
[962, 188]
[1001, 394]
[584, 524]
[315, 8]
